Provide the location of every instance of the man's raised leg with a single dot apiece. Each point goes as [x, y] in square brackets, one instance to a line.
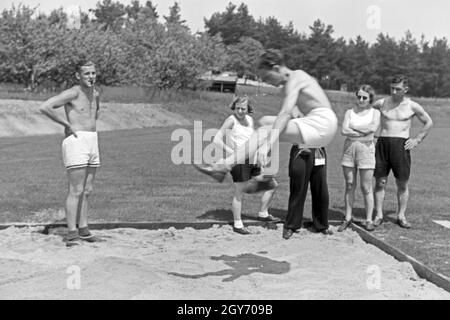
[258, 141]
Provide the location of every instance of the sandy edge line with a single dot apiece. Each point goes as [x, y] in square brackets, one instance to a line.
[422, 270]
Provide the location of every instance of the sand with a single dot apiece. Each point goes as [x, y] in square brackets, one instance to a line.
[205, 264]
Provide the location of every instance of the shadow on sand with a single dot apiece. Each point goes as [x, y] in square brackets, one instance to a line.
[242, 265]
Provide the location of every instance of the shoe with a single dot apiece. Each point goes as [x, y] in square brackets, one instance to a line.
[377, 222]
[269, 218]
[403, 223]
[326, 231]
[73, 242]
[369, 226]
[270, 226]
[218, 175]
[287, 233]
[264, 177]
[255, 186]
[242, 230]
[91, 238]
[344, 225]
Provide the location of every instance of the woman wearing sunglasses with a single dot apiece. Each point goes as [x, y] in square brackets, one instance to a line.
[359, 126]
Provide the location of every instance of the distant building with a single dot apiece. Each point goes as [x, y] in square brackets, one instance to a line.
[220, 81]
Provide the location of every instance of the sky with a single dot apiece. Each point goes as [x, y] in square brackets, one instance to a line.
[349, 18]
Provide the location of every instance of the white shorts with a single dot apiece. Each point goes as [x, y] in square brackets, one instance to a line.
[82, 151]
[318, 127]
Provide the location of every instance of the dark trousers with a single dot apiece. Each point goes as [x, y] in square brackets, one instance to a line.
[301, 172]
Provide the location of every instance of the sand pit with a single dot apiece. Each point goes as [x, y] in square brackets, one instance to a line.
[204, 264]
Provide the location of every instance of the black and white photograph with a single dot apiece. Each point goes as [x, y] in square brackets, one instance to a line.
[224, 156]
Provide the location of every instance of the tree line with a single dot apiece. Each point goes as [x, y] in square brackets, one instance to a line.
[132, 45]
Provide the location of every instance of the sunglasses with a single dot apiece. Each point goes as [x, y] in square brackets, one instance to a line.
[363, 97]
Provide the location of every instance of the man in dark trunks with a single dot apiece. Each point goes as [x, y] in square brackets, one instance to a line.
[394, 145]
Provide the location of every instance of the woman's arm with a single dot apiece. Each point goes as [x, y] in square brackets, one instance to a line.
[346, 130]
[371, 127]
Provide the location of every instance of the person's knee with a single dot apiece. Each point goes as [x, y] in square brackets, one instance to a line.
[350, 185]
[238, 197]
[266, 121]
[380, 184]
[76, 192]
[402, 186]
[366, 189]
[238, 193]
[88, 190]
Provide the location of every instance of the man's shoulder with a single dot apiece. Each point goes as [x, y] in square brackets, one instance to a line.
[301, 74]
[71, 92]
[74, 90]
[301, 79]
[379, 103]
[413, 104]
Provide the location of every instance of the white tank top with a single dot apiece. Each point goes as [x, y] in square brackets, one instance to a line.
[362, 120]
[239, 134]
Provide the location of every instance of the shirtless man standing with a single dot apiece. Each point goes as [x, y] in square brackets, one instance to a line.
[394, 145]
[79, 148]
[301, 94]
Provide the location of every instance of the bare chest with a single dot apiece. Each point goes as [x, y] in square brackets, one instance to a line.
[399, 112]
[83, 105]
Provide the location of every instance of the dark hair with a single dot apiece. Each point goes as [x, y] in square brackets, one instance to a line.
[237, 99]
[270, 58]
[84, 63]
[399, 78]
[367, 88]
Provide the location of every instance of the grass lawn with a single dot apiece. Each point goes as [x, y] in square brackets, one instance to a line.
[139, 182]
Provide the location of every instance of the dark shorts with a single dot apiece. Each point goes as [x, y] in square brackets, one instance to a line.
[244, 172]
[390, 154]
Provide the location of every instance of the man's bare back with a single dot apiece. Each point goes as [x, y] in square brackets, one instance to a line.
[303, 91]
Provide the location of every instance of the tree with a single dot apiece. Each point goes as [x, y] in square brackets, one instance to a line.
[231, 25]
[27, 45]
[133, 10]
[149, 11]
[410, 62]
[58, 16]
[110, 14]
[322, 55]
[436, 70]
[357, 64]
[243, 57]
[174, 17]
[272, 34]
